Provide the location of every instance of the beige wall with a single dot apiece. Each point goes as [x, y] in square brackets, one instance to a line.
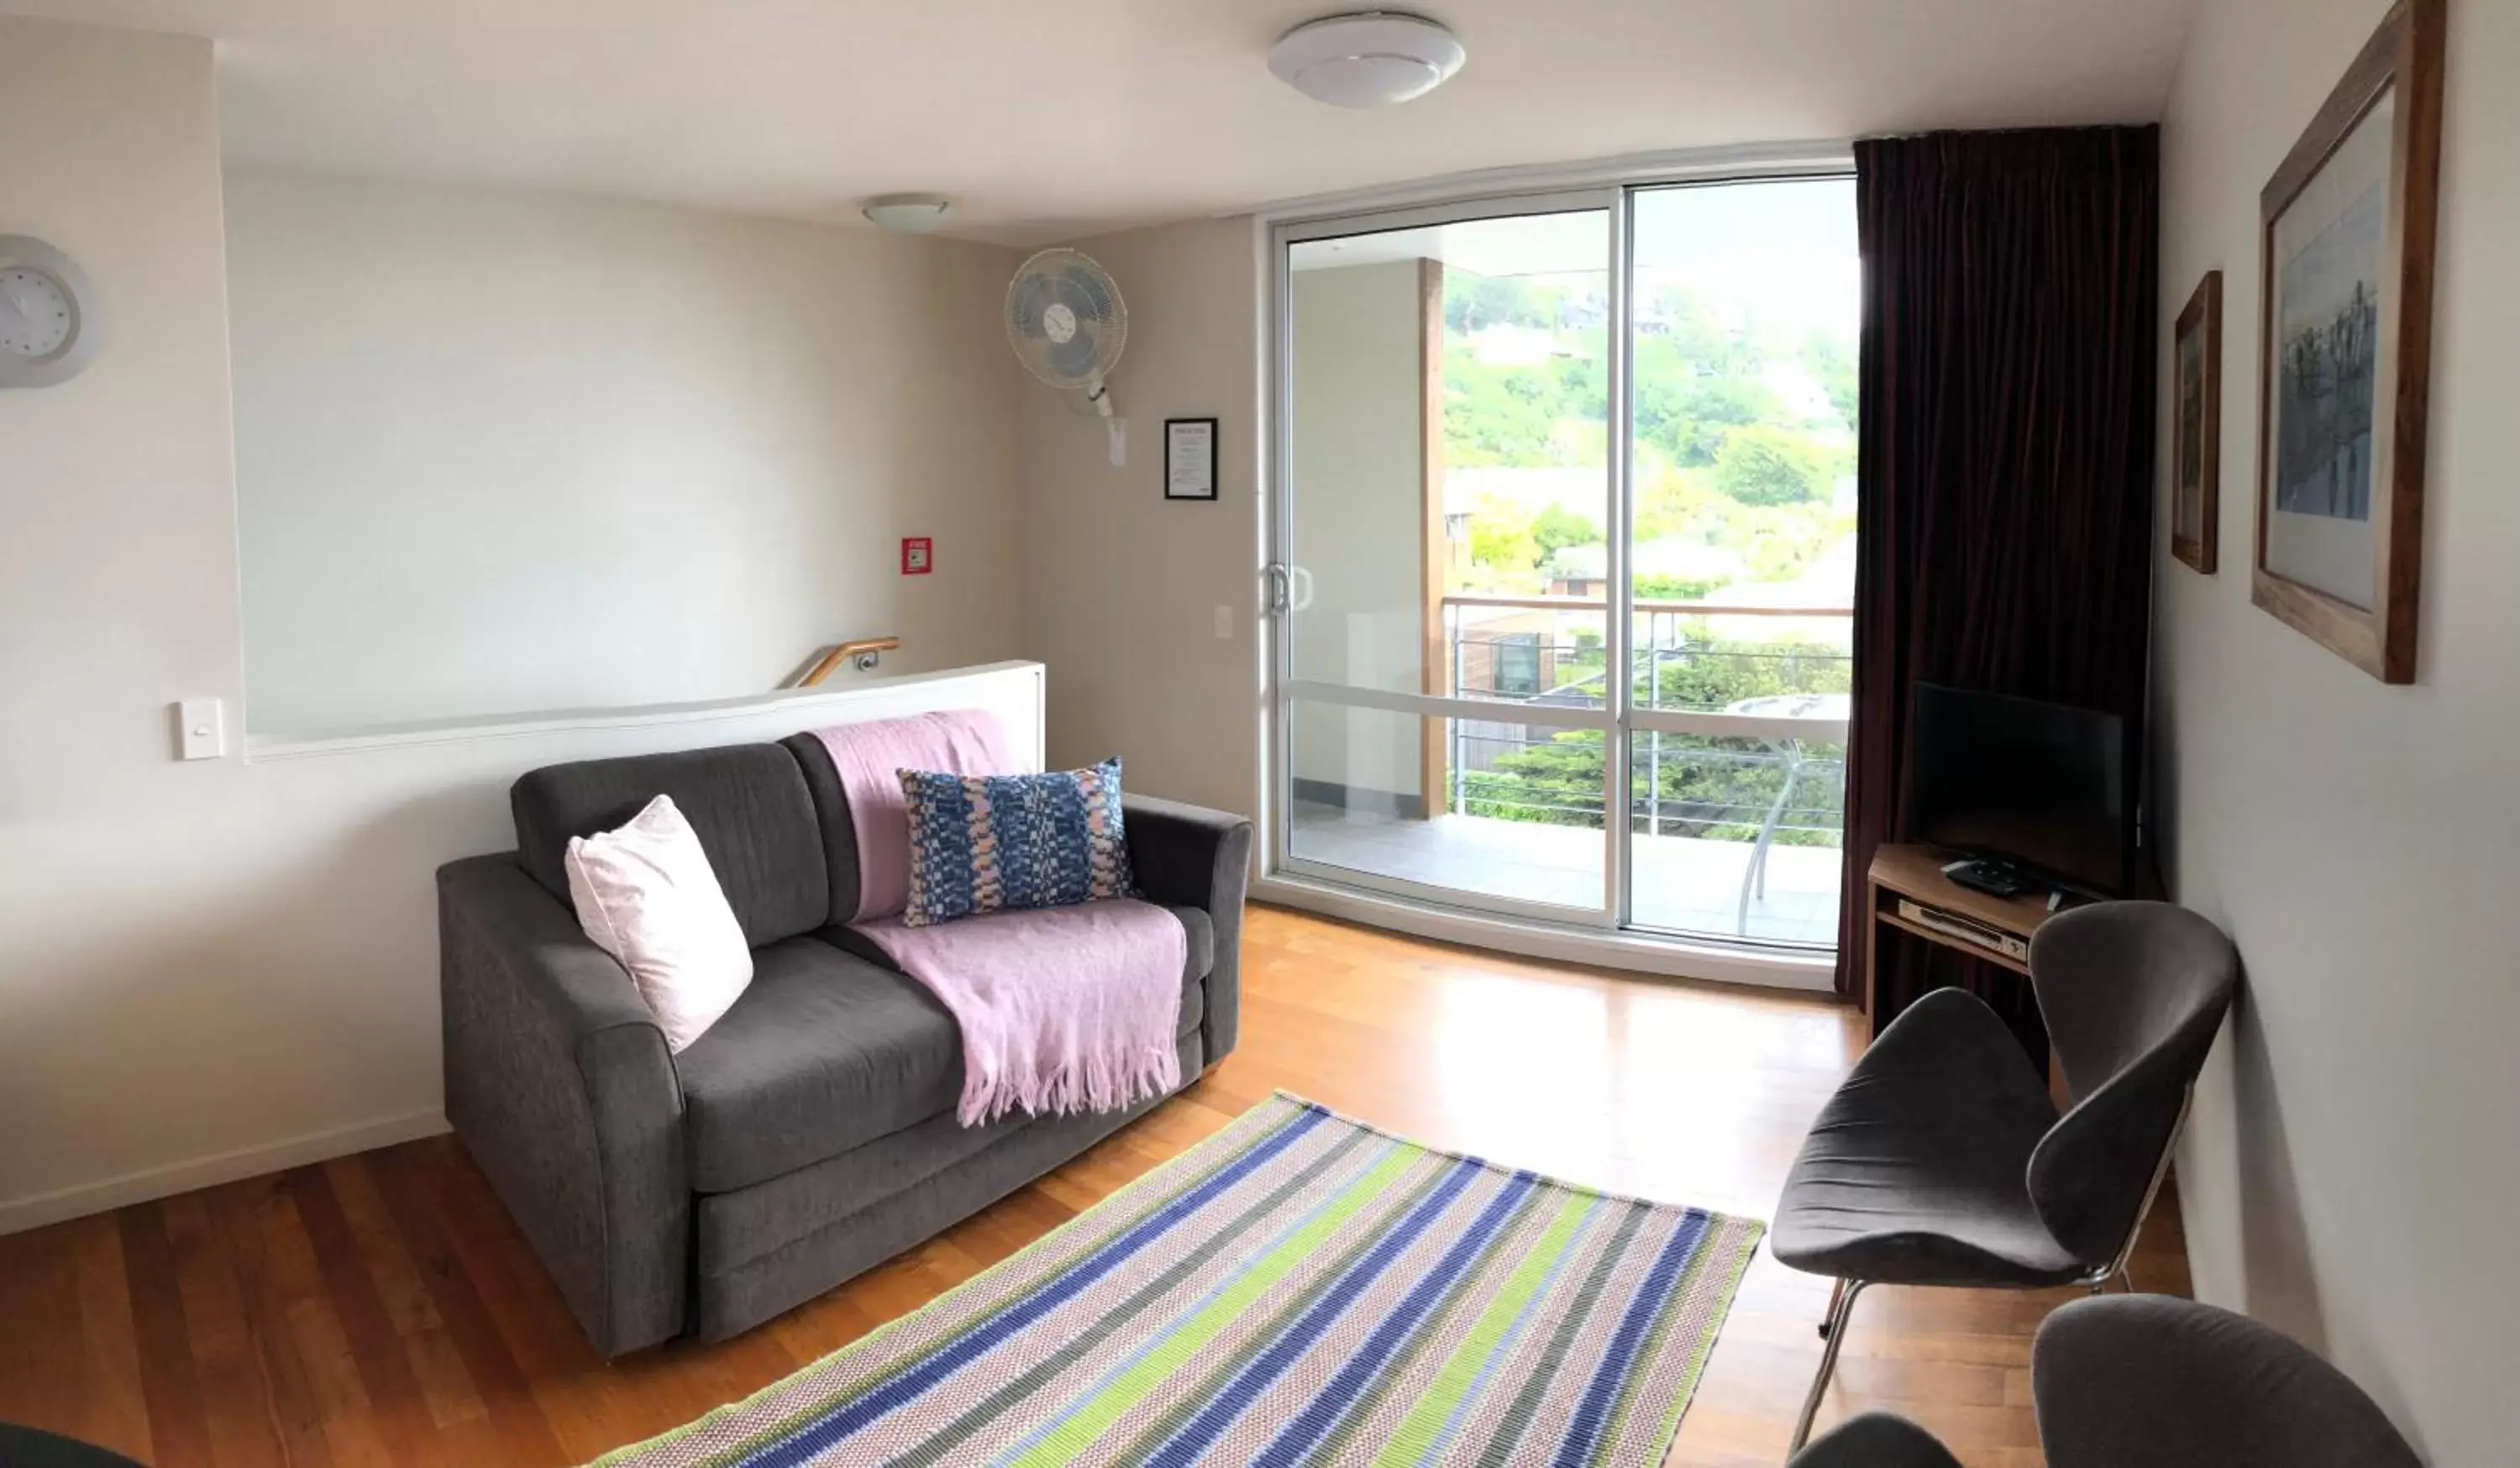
[1358, 463]
[2354, 1156]
[500, 451]
[1120, 587]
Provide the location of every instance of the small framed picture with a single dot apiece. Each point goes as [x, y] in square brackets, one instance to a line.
[1189, 459]
[2345, 353]
[2196, 433]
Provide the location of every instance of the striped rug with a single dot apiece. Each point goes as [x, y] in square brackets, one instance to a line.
[1298, 1289]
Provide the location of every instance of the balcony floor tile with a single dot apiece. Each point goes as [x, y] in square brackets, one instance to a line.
[1684, 883]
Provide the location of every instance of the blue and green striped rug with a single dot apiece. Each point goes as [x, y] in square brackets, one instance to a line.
[1298, 1289]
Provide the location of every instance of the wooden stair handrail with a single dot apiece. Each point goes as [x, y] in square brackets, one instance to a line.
[862, 651]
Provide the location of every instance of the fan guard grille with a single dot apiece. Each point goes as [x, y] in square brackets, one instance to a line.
[1065, 318]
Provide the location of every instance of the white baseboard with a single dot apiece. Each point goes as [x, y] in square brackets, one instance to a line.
[19, 1214]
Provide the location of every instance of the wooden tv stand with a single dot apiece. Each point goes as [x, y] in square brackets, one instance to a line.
[1914, 873]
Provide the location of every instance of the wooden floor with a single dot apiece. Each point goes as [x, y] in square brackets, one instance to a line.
[382, 1309]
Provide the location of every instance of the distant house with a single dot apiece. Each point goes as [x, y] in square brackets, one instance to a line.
[1585, 571]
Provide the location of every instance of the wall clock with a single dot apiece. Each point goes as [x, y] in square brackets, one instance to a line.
[48, 315]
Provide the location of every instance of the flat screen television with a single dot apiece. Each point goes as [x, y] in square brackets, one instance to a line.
[2043, 788]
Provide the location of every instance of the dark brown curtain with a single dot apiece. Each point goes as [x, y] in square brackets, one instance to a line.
[2004, 479]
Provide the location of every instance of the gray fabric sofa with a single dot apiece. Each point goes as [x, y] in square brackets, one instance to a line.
[810, 1134]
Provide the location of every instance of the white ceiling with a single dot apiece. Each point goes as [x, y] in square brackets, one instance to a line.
[1050, 118]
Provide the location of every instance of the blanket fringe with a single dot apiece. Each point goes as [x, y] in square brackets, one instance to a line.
[1090, 1085]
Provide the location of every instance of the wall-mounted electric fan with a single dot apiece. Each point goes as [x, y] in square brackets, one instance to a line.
[1067, 323]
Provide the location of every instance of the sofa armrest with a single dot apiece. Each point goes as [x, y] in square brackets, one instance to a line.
[561, 1085]
[1187, 856]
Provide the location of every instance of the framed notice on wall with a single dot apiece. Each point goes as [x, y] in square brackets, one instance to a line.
[1189, 459]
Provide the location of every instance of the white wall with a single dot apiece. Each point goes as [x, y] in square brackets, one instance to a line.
[2354, 1156]
[117, 595]
[217, 968]
[500, 451]
[1119, 585]
[1358, 462]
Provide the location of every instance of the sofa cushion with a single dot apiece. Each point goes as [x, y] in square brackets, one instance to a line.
[832, 1048]
[747, 802]
[832, 810]
[826, 1052]
[1200, 949]
[1198, 946]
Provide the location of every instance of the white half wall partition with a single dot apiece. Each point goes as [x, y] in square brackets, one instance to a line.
[263, 990]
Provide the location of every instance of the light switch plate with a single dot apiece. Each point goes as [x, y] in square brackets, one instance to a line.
[200, 730]
[1225, 624]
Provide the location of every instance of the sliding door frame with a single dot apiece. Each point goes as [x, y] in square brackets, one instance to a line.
[1611, 203]
[1608, 188]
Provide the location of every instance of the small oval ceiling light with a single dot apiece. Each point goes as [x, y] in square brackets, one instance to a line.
[1371, 57]
[908, 213]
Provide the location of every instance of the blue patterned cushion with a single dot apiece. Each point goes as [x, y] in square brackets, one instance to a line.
[982, 843]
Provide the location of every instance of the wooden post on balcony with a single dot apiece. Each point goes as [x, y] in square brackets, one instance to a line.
[1435, 664]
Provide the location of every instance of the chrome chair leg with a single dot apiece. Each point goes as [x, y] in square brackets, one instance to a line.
[1836, 1293]
[1840, 1309]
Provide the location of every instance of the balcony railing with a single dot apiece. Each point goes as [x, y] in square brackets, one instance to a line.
[1780, 779]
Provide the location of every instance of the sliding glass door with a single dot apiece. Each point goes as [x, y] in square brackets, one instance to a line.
[1564, 551]
[1413, 674]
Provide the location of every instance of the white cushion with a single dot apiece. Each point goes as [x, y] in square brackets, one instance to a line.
[646, 895]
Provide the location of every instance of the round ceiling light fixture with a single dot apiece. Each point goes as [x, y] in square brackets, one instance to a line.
[908, 213]
[1372, 57]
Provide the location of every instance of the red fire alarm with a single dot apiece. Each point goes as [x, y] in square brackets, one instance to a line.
[918, 555]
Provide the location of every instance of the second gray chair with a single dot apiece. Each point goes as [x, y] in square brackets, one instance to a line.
[1877, 1439]
[2146, 1380]
[1941, 1160]
[2151, 1382]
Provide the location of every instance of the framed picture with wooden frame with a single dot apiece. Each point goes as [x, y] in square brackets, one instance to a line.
[2345, 353]
[2196, 426]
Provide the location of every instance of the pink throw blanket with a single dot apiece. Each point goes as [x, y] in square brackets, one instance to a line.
[1062, 1010]
[871, 757]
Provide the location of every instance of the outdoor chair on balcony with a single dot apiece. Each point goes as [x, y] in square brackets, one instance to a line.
[1941, 1160]
[1825, 710]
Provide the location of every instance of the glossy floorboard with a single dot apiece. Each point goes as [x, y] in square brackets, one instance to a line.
[381, 1308]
